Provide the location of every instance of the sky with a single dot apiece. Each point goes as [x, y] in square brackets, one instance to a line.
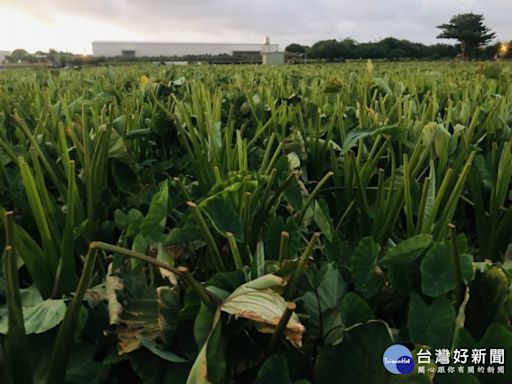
[72, 25]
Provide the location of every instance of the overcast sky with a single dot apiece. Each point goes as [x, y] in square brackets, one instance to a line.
[73, 24]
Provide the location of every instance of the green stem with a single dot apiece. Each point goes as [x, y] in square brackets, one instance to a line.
[198, 287]
[459, 281]
[218, 262]
[127, 252]
[283, 246]
[281, 326]
[290, 289]
[313, 194]
[15, 343]
[235, 252]
[61, 350]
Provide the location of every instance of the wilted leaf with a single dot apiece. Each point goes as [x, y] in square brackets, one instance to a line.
[257, 302]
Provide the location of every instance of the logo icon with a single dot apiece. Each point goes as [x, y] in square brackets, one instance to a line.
[398, 360]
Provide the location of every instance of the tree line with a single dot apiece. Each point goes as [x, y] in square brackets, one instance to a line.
[472, 36]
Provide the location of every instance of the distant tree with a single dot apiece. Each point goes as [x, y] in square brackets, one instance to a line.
[295, 48]
[19, 55]
[469, 30]
[325, 49]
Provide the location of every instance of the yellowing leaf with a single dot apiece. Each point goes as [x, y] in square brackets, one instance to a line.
[144, 80]
[263, 306]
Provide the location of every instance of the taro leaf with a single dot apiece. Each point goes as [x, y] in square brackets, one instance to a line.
[293, 161]
[203, 325]
[366, 274]
[488, 295]
[166, 255]
[355, 310]
[133, 308]
[496, 336]
[323, 220]
[186, 233]
[483, 168]
[82, 368]
[30, 296]
[129, 222]
[40, 317]
[331, 288]
[216, 355]
[311, 315]
[223, 216]
[291, 192]
[163, 354]
[339, 251]
[333, 327]
[112, 285]
[438, 270]
[169, 308]
[153, 223]
[273, 237]
[407, 251]
[210, 364]
[155, 370]
[258, 302]
[357, 360]
[430, 324]
[355, 135]
[381, 85]
[124, 176]
[227, 281]
[117, 147]
[274, 370]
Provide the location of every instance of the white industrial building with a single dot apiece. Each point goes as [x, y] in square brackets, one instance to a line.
[131, 49]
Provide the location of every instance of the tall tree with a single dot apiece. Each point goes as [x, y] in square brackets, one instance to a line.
[469, 30]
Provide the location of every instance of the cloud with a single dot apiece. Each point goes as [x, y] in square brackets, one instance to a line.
[285, 21]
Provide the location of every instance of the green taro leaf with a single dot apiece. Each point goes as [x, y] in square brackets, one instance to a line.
[322, 219]
[274, 370]
[358, 359]
[407, 251]
[366, 274]
[433, 324]
[153, 370]
[438, 270]
[273, 237]
[331, 288]
[160, 352]
[355, 309]
[223, 216]
[153, 223]
[488, 294]
[40, 317]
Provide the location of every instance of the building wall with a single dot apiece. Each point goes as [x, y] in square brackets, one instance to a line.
[273, 58]
[156, 49]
